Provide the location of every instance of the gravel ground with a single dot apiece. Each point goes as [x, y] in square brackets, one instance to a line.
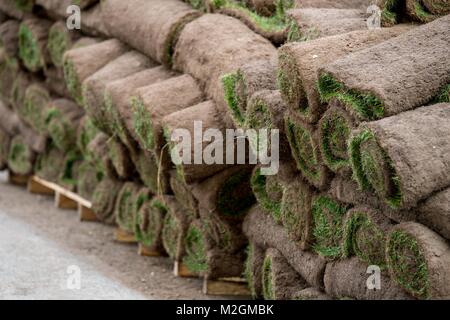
[44, 249]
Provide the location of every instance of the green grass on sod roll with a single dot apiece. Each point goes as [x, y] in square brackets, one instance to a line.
[195, 259]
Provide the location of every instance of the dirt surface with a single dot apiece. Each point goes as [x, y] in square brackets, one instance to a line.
[114, 270]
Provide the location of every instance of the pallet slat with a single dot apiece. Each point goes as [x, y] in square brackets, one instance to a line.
[17, 179]
[123, 236]
[226, 287]
[180, 270]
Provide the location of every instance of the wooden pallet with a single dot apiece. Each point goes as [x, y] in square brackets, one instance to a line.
[226, 287]
[18, 179]
[123, 236]
[64, 199]
[148, 252]
[180, 270]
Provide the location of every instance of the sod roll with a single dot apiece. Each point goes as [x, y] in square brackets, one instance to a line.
[9, 71]
[435, 213]
[403, 159]
[58, 8]
[215, 155]
[365, 233]
[21, 157]
[176, 225]
[86, 132]
[34, 109]
[312, 23]
[94, 86]
[120, 158]
[150, 26]
[184, 194]
[211, 46]
[415, 67]
[104, 199]
[279, 280]
[239, 86]
[9, 120]
[147, 166]
[263, 231]
[299, 62]
[33, 37]
[130, 199]
[68, 177]
[24, 5]
[79, 65]
[34, 140]
[418, 260]
[60, 39]
[118, 100]
[310, 294]
[9, 8]
[328, 221]
[348, 279]
[9, 37]
[19, 87]
[253, 270]
[305, 148]
[55, 82]
[149, 224]
[88, 180]
[152, 103]
[49, 163]
[296, 213]
[62, 121]
[5, 141]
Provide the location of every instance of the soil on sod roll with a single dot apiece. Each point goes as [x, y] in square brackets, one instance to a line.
[149, 224]
[296, 213]
[104, 199]
[328, 221]
[266, 111]
[88, 180]
[94, 86]
[62, 121]
[253, 269]
[263, 231]
[183, 192]
[68, 177]
[269, 190]
[60, 39]
[150, 26]
[299, 62]
[279, 280]
[9, 120]
[33, 37]
[211, 46]
[415, 67]
[239, 86]
[435, 213]
[37, 142]
[152, 103]
[9, 70]
[418, 260]
[365, 233]
[55, 82]
[304, 142]
[21, 157]
[403, 159]
[118, 100]
[9, 37]
[347, 279]
[10, 9]
[35, 107]
[120, 158]
[79, 65]
[335, 128]
[310, 294]
[342, 4]
[312, 23]
[5, 141]
[176, 225]
[58, 8]
[19, 87]
[93, 22]
[188, 166]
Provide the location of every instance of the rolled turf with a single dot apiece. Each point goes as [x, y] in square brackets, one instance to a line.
[60, 39]
[150, 26]
[148, 168]
[33, 37]
[62, 122]
[418, 260]
[34, 109]
[239, 86]
[310, 294]
[347, 279]
[118, 100]
[10, 9]
[9, 72]
[296, 213]
[86, 132]
[149, 224]
[263, 231]
[68, 177]
[435, 213]
[299, 62]
[279, 280]
[131, 198]
[94, 86]
[192, 169]
[21, 157]
[104, 199]
[403, 158]
[365, 233]
[54, 80]
[176, 225]
[79, 65]
[152, 103]
[88, 180]
[5, 141]
[253, 270]
[9, 37]
[49, 164]
[312, 23]
[414, 68]
[328, 220]
[183, 192]
[208, 48]
[57, 8]
[335, 128]
[120, 158]
[305, 148]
